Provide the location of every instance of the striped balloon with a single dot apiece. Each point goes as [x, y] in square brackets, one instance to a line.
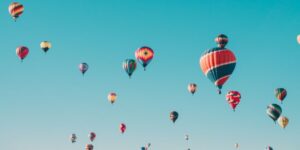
[129, 65]
[218, 63]
[233, 98]
[144, 55]
[22, 52]
[15, 9]
[274, 111]
[280, 94]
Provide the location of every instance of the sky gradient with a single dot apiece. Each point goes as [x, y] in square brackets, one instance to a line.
[45, 99]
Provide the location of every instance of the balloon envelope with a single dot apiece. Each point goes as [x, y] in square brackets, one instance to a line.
[144, 55]
[112, 97]
[129, 65]
[15, 9]
[274, 111]
[283, 121]
[122, 127]
[233, 98]
[73, 138]
[218, 63]
[174, 116]
[280, 94]
[22, 52]
[192, 87]
[83, 67]
[45, 46]
[92, 136]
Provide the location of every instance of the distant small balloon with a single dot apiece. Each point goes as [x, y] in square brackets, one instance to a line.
[92, 136]
[83, 67]
[73, 138]
[15, 9]
[269, 148]
[298, 39]
[45, 46]
[174, 116]
[112, 97]
[274, 111]
[122, 127]
[280, 94]
[192, 88]
[89, 147]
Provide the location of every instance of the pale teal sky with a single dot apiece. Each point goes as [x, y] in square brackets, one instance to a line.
[45, 99]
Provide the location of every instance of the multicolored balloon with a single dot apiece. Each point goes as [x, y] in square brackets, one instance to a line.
[129, 65]
[45, 46]
[73, 138]
[283, 121]
[15, 9]
[274, 111]
[280, 94]
[269, 148]
[233, 98]
[92, 136]
[122, 128]
[112, 97]
[22, 52]
[89, 147]
[298, 39]
[174, 116]
[83, 67]
[144, 55]
[218, 63]
[192, 88]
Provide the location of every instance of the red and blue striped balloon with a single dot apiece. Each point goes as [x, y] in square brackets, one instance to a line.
[218, 63]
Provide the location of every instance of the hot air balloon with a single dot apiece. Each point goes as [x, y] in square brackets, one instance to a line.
[298, 39]
[112, 97]
[144, 55]
[186, 137]
[233, 98]
[274, 111]
[192, 87]
[143, 148]
[89, 147]
[148, 145]
[174, 116]
[280, 94]
[45, 46]
[92, 136]
[218, 63]
[83, 67]
[22, 52]
[73, 138]
[15, 9]
[129, 65]
[236, 145]
[269, 148]
[283, 121]
[122, 127]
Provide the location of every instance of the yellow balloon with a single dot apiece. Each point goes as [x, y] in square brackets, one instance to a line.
[112, 97]
[45, 45]
[283, 121]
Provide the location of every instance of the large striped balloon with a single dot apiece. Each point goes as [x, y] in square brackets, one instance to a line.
[274, 111]
[218, 63]
[129, 65]
[15, 9]
[22, 52]
[280, 94]
[144, 55]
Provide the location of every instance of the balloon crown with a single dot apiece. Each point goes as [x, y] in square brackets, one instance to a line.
[221, 40]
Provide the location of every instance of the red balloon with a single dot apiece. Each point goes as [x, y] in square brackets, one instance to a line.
[233, 98]
[22, 52]
[122, 127]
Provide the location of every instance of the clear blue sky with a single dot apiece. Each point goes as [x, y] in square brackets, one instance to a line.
[45, 99]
